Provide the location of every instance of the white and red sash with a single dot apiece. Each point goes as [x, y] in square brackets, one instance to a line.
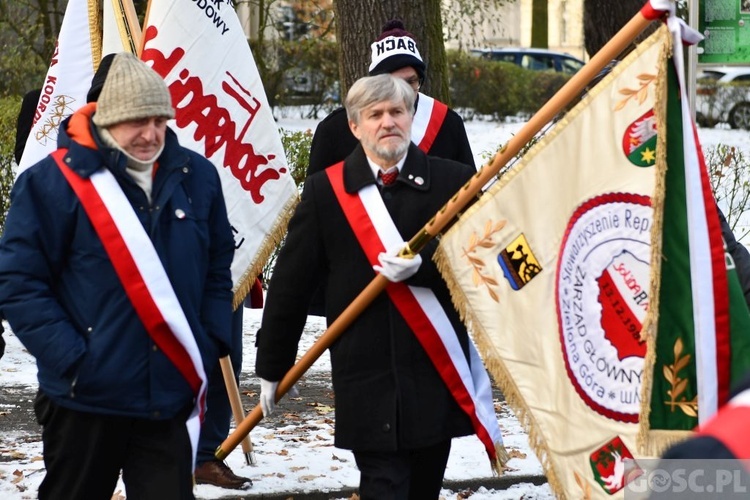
[469, 384]
[428, 119]
[143, 277]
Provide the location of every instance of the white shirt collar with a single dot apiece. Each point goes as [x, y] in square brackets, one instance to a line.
[376, 168]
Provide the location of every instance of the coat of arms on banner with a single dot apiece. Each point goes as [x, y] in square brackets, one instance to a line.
[608, 465]
[639, 140]
[518, 263]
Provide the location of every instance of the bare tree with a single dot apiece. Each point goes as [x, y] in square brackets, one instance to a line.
[28, 33]
[358, 24]
[602, 19]
[28, 29]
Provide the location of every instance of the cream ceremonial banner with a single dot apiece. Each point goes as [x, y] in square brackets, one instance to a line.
[222, 112]
[76, 56]
[550, 269]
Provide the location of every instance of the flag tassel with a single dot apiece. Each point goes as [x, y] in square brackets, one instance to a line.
[501, 458]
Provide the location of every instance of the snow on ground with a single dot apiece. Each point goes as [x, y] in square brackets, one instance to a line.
[299, 457]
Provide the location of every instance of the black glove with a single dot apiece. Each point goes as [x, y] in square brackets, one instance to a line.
[224, 349]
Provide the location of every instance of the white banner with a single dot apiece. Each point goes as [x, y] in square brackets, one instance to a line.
[222, 112]
[67, 81]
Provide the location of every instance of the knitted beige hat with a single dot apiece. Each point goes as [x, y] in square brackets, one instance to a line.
[131, 91]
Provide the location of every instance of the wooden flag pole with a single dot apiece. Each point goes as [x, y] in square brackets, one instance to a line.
[353, 310]
[127, 22]
[237, 411]
[145, 23]
[570, 91]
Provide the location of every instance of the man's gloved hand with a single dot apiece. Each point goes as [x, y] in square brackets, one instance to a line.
[268, 395]
[397, 268]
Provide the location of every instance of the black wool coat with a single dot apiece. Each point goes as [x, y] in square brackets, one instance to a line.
[388, 394]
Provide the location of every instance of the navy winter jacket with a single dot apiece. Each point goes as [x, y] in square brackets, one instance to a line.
[62, 298]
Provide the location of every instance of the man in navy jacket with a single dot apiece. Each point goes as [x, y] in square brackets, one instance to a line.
[114, 274]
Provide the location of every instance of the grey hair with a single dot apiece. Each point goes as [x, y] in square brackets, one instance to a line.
[370, 90]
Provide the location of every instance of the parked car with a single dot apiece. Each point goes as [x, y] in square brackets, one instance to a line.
[722, 95]
[303, 82]
[534, 59]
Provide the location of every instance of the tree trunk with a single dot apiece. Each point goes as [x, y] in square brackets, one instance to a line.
[602, 19]
[539, 24]
[359, 22]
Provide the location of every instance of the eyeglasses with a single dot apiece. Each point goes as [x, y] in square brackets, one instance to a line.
[414, 82]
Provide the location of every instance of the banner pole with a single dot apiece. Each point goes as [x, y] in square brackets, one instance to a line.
[570, 91]
[236, 403]
[145, 23]
[127, 21]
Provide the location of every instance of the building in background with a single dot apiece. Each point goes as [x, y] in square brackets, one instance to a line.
[510, 26]
[506, 26]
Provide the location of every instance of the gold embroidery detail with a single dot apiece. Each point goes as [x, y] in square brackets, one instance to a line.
[478, 264]
[641, 93]
[671, 373]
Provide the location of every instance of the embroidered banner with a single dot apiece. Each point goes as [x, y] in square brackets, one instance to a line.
[550, 268]
[68, 78]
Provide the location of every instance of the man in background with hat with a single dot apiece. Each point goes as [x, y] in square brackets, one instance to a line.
[114, 274]
[437, 130]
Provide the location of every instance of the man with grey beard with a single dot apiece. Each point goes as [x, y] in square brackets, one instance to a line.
[394, 408]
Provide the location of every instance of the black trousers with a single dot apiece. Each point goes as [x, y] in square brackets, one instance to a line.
[85, 452]
[401, 475]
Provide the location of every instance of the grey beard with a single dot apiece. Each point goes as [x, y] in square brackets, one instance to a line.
[394, 154]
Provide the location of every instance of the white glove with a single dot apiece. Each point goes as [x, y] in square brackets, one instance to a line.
[397, 268]
[268, 395]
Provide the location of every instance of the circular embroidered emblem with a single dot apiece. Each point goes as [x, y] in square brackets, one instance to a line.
[602, 286]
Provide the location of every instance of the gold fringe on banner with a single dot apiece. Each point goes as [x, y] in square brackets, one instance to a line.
[498, 371]
[266, 249]
[96, 27]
